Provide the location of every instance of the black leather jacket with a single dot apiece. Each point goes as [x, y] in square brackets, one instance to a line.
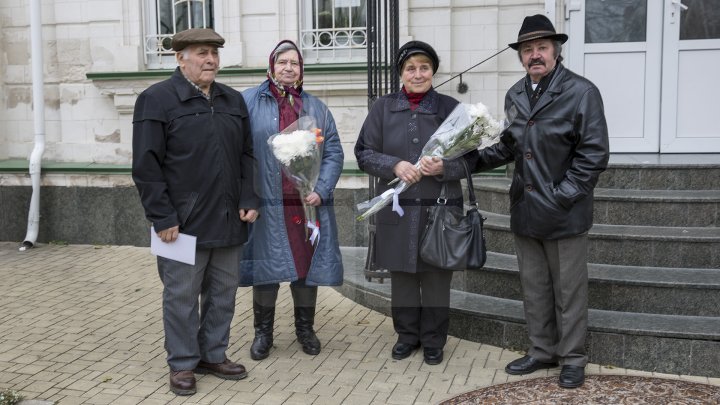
[193, 160]
[560, 147]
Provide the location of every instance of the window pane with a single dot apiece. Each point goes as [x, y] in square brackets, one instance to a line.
[701, 20]
[325, 14]
[169, 17]
[615, 21]
[333, 31]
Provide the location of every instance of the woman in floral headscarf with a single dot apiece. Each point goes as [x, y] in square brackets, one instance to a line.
[278, 249]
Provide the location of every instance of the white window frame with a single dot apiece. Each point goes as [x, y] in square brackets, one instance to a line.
[156, 45]
[335, 44]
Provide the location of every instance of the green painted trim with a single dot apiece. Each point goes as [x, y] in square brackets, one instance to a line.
[22, 166]
[350, 168]
[165, 73]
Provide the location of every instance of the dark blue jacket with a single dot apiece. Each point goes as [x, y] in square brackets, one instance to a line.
[193, 161]
[391, 133]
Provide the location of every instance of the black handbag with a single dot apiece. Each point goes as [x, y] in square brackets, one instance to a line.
[452, 239]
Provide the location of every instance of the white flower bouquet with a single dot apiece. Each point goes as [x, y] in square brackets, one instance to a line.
[468, 127]
[298, 149]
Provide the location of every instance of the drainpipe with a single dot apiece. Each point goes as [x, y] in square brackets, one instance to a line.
[38, 103]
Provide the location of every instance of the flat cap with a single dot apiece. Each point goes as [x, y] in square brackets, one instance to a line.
[194, 36]
[414, 47]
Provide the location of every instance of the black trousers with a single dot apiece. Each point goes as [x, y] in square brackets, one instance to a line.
[421, 307]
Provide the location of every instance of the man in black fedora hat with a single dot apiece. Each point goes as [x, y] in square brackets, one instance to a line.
[558, 140]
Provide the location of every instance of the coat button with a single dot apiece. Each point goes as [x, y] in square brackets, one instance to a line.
[417, 200]
[413, 116]
[531, 123]
[529, 187]
[415, 140]
[528, 155]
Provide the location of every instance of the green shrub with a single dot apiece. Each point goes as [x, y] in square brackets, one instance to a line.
[9, 397]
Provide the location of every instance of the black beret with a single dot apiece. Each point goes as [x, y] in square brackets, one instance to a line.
[412, 48]
[194, 36]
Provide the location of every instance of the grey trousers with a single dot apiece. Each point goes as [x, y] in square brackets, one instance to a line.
[198, 306]
[554, 279]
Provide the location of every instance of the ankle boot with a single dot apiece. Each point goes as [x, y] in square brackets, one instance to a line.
[305, 299]
[264, 318]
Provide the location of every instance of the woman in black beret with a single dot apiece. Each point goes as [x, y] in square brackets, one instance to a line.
[390, 142]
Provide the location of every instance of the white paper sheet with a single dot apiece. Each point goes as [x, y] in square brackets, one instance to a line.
[182, 250]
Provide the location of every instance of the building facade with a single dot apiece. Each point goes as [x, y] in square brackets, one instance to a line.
[653, 61]
[99, 55]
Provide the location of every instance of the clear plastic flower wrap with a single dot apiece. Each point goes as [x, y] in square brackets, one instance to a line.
[299, 149]
[468, 127]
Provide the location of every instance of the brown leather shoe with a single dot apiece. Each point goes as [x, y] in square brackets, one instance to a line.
[182, 382]
[227, 370]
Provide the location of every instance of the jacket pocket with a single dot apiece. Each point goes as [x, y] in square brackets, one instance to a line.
[184, 204]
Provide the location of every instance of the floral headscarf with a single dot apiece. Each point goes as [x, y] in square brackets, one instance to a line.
[289, 95]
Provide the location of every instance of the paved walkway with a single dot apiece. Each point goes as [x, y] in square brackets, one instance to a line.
[82, 325]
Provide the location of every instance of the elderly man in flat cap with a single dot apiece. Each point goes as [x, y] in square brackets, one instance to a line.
[558, 141]
[194, 167]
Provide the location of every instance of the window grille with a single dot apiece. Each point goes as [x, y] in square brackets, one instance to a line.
[168, 17]
[333, 30]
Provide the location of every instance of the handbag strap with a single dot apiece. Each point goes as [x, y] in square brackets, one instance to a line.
[470, 186]
[442, 199]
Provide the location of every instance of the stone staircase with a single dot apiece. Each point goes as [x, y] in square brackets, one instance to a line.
[654, 269]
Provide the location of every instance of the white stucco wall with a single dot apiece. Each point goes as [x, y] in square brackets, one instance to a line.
[90, 121]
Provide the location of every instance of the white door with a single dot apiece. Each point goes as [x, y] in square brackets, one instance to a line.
[690, 82]
[655, 82]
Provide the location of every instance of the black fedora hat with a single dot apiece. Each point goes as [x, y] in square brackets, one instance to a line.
[536, 27]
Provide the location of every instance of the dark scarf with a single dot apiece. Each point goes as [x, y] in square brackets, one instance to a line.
[413, 98]
[534, 95]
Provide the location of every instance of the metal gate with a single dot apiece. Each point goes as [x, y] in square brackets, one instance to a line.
[382, 45]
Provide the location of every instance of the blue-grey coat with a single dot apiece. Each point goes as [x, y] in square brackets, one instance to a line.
[267, 258]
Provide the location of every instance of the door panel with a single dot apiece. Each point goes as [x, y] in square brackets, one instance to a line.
[618, 101]
[691, 56]
[616, 44]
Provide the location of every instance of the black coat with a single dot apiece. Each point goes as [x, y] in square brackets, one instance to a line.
[193, 161]
[392, 133]
[560, 147]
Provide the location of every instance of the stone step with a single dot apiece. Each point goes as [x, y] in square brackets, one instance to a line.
[657, 290]
[662, 172]
[653, 342]
[629, 245]
[694, 208]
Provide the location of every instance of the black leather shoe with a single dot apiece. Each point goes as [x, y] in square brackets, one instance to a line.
[571, 376]
[403, 350]
[526, 365]
[433, 355]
